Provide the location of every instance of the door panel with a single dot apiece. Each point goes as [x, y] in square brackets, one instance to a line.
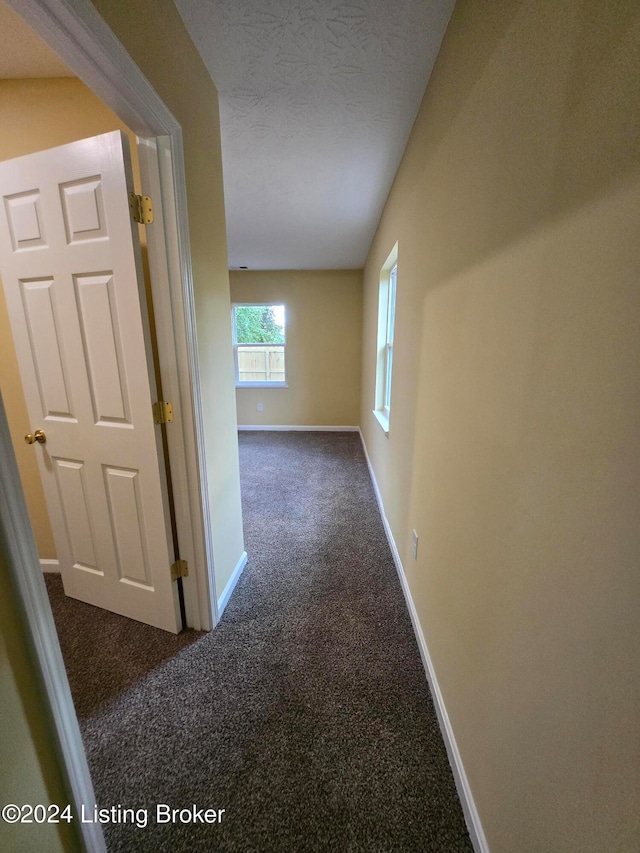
[99, 326]
[127, 523]
[74, 502]
[38, 300]
[70, 266]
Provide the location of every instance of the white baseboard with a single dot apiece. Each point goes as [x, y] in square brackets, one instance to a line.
[231, 584]
[285, 427]
[472, 818]
[50, 565]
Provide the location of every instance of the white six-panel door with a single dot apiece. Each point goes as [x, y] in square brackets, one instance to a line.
[70, 266]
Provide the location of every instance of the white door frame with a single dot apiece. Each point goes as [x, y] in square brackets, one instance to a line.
[75, 30]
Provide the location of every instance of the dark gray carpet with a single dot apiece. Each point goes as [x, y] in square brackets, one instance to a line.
[306, 713]
[105, 653]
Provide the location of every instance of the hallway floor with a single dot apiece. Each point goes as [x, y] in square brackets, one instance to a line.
[306, 714]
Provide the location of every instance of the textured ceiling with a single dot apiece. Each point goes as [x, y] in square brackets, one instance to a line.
[317, 99]
[23, 53]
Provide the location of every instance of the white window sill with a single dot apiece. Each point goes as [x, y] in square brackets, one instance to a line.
[261, 385]
[382, 419]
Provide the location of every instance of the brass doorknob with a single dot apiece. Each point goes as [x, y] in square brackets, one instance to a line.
[38, 436]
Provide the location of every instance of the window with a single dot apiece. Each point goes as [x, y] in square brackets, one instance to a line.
[386, 323]
[258, 345]
[388, 361]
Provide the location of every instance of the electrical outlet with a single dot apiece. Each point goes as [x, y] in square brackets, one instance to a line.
[260, 407]
[414, 544]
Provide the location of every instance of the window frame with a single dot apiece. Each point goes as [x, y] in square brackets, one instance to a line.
[387, 296]
[257, 384]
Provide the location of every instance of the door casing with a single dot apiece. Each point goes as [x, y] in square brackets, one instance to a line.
[83, 40]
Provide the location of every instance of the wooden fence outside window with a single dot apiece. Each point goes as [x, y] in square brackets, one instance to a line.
[261, 363]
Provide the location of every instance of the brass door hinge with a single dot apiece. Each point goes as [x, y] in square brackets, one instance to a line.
[141, 208]
[180, 569]
[162, 412]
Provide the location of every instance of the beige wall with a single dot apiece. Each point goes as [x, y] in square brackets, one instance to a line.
[39, 114]
[513, 448]
[322, 356]
[155, 36]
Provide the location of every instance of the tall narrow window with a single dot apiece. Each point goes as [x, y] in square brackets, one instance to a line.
[258, 345]
[386, 324]
[391, 316]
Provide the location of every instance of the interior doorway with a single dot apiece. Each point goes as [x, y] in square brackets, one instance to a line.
[88, 46]
[156, 138]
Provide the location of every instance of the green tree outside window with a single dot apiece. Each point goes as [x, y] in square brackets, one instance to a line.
[256, 324]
